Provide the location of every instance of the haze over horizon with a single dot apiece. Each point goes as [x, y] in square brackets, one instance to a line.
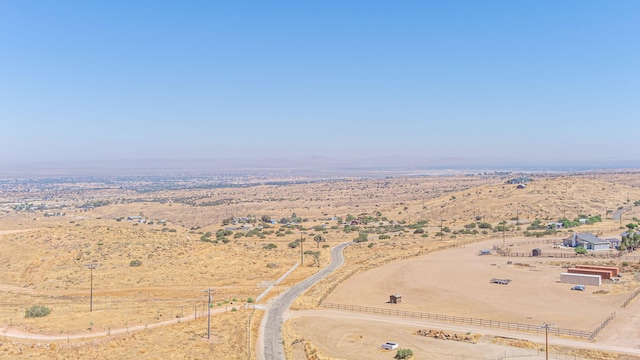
[435, 83]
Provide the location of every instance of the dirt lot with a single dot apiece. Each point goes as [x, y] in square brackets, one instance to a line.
[456, 282]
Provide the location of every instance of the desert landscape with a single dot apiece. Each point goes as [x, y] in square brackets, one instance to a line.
[114, 259]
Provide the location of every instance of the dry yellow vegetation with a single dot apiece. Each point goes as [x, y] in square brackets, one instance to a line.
[44, 257]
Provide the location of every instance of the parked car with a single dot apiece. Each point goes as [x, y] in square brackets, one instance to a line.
[579, 287]
[390, 346]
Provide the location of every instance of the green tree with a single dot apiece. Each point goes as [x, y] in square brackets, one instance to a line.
[318, 239]
[315, 255]
[580, 250]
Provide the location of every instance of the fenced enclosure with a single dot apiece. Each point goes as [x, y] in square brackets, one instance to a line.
[630, 298]
[534, 354]
[588, 335]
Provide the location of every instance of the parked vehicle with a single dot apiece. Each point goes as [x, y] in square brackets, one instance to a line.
[579, 287]
[390, 346]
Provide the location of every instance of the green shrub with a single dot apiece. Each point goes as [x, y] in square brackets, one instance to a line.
[37, 311]
[270, 246]
[404, 354]
[135, 263]
[250, 300]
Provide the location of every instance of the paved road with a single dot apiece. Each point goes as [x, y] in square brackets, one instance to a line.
[618, 213]
[272, 323]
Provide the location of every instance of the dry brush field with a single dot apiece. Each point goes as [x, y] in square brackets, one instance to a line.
[44, 257]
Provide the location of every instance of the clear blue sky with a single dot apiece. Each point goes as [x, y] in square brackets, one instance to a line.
[531, 80]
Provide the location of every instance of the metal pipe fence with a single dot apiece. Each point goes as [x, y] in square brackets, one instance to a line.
[468, 321]
[630, 298]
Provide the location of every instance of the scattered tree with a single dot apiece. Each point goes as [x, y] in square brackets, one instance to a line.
[315, 255]
[580, 250]
[318, 239]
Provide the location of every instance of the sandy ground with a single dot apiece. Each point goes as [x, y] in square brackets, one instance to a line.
[456, 282]
[349, 335]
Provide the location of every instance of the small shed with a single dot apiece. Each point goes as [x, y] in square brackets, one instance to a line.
[395, 299]
[536, 252]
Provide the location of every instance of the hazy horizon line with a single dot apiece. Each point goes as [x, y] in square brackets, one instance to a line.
[316, 165]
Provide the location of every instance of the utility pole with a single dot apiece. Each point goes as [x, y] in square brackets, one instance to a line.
[546, 327]
[209, 313]
[302, 239]
[91, 267]
[621, 220]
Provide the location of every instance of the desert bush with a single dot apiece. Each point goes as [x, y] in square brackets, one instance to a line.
[361, 238]
[294, 244]
[206, 236]
[404, 354]
[135, 263]
[250, 300]
[270, 246]
[537, 225]
[37, 311]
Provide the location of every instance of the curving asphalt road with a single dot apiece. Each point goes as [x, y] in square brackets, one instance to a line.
[616, 215]
[273, 348]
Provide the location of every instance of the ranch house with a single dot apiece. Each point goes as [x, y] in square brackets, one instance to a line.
[588, 241]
